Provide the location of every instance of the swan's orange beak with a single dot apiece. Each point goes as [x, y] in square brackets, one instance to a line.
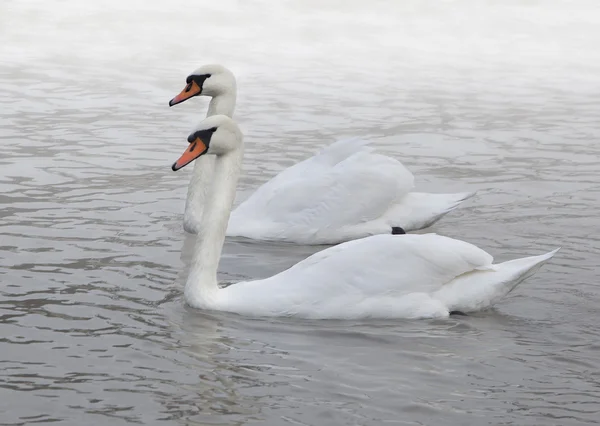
[190, 90]
[194, 150]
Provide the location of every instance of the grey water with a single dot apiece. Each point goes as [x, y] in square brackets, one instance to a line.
[501, 97]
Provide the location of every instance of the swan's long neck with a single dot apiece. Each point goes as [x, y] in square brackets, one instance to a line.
[202, 286]
[197, 193]
[223, 103]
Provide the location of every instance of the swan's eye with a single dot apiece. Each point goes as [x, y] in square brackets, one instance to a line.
[214, 129]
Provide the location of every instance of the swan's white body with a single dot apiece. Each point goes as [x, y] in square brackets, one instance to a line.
[343, 193]
[381, 276]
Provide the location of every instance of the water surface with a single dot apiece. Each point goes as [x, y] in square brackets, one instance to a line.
[498, 97]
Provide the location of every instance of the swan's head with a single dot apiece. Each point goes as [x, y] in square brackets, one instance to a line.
[217, 135]
[208, 80]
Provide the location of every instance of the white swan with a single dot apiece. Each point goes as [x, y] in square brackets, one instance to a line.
[342, 193]
[381, 276]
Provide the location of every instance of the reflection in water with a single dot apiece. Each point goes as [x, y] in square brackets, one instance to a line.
[498, 98]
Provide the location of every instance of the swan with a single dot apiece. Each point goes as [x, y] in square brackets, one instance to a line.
[342, 193]
[379, 276]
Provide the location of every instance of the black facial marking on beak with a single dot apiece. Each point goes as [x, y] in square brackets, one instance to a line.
[204, 135]
[198, 78]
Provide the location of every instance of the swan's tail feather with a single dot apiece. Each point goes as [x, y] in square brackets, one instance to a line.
[419, 210]
[479, 290]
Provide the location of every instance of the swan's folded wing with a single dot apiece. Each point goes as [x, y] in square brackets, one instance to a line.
[313, 167]
[357, 190]
[394, 263]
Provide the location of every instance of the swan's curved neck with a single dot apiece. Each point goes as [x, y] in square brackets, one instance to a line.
[202, 286]
[224, 103]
